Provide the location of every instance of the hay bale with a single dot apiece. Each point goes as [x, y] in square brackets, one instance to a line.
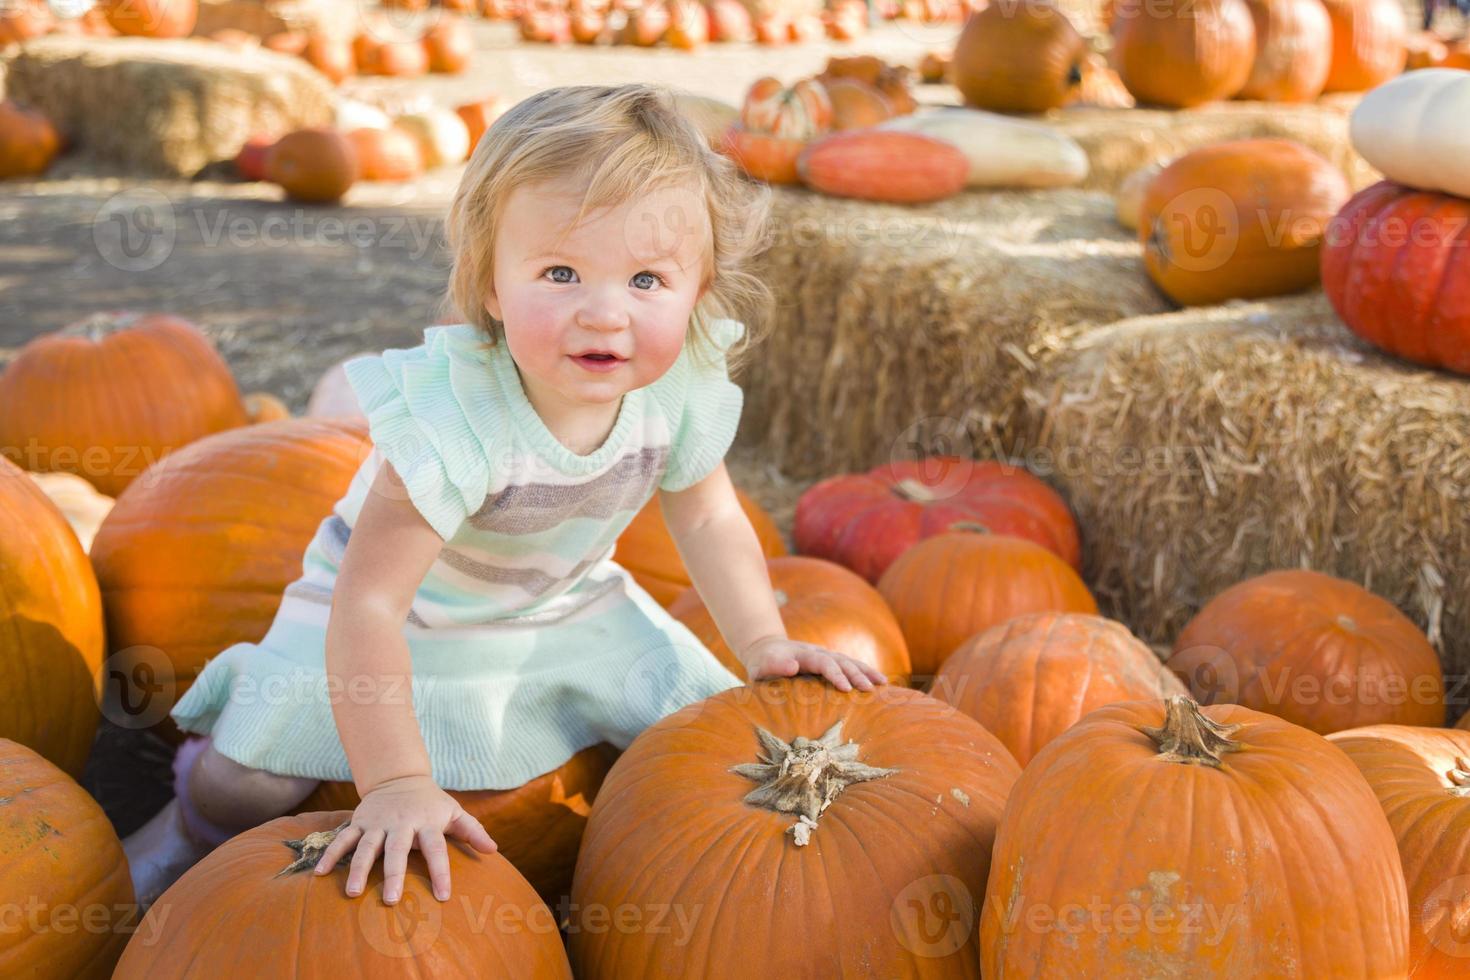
[165, 108]
[1119, 141]
[263, 18]
[1202, 447]
[891, 314]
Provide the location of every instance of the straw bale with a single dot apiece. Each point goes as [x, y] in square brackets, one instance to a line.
[888, 315]
[1119, 141]
[339, 18]
[165, 108]
[1202, 447]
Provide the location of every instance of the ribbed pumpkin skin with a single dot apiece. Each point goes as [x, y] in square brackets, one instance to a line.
[88, 395]
[947, 588]
[647, 550]
[195, 558]
[803, 111]
[58, 851]
[538, 826]
[670, 830]
[228, 916]
[1031, 678]
[1369, 43]
[1243, 219]
[1396, 266]
[1018, 58]
[884, 165]
[1183, 55]
[1407, 768]
[1319, 651]
[1279, 863]
[821, 602]
[866, 520]
[51, 647]
[1293, 50]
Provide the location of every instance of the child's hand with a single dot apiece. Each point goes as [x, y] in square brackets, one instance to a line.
[395, 816]
[777, 656]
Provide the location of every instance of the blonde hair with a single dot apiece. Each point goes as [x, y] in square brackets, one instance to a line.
[620, 143]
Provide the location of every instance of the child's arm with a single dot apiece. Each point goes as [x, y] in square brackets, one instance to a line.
[370, 670]
[723, 555]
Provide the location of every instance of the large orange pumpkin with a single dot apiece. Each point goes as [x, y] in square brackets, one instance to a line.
[821, 602]
[866, 520]
[1024, 57]
[1293, 50]
[1029, 679]
[1184, 842]
[152, 18]
[28, 141]
[538, 826]
[1369, 43]
[51, 646]
[234, 914]
[947, 588]
[1421, 777]
[1183, 54]
[86, 399]
[860, 822]
[1397, 270]
[1239, 220]
[1319, 651]
[68, 892]
[316, 164]
[195, 558]
[647, 550]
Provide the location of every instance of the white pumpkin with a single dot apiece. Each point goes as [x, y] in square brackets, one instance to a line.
[81, 504]
[352, 114]
[1416, 129]
[1003, 152]
[442, 134]
[333, 397]
[1128, 202]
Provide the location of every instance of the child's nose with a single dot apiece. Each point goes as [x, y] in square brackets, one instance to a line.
[602, 310]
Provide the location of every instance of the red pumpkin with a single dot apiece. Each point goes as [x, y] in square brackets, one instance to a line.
[947, 588]
[865, 521]
[1369, 43]
[884, 165]
[1395, 266]
[822, 603]
[316, 164]
[1293, 51]
[1319, 651]
[250, 161]
[152, 18]
[84, 399]
[1183, 55]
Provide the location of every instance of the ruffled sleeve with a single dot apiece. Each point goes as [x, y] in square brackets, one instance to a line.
[426, 417]
[703, 408]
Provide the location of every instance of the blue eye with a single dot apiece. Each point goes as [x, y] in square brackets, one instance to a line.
[650, 275]
[561, 268]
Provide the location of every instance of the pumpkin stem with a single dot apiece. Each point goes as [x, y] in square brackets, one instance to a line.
[805, 776]
[912, 490]
[100, 325]
[1074, 75]
[973, 527]
[1460, 777]
[310, 848]
[1189, 736]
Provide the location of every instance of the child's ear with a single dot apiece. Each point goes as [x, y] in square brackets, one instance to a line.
[492, 305]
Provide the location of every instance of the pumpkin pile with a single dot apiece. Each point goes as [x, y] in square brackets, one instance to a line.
[684, 24]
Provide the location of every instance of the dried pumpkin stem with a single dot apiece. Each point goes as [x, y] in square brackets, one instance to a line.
[309, 849]
[804, 776]
[912, 490]
[100, 325]
[1460, 777]
[1190, 737]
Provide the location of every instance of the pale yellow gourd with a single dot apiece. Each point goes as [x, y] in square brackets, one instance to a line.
[1414, 129]
[79, 502]
[1002, 152]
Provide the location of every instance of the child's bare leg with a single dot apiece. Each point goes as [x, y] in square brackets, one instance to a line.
[214, 799]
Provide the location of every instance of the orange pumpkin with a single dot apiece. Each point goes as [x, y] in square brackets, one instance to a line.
[1293, 51]
[947, 588]
[1184, 55]
[1023, 57]
[820, 602]
[316, 164]
[688, 25]
[85, 399]
[195, 558]
[647, 550]
[387, 154]
[846, 20]
[803, 111]
[1215, 843]
[152, 18]
[856, 105]
[763, 156]
[449, 46]
[1424, 49]
[1369, 43]
[729, 20]
[235, 914]
[28, 141]
[51, 647]
[1031, 678]
[1421, 777]
[1319, 651]
[250, 161]
[1242, 219]
[22, 20]
[795, 802]
[538, 826]
[884, 165]
[262, 406]
[287, 42]
[801, 28]
[478, 117]
[646, 24]
[66, 877]
[331, 55]
[397, 59]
